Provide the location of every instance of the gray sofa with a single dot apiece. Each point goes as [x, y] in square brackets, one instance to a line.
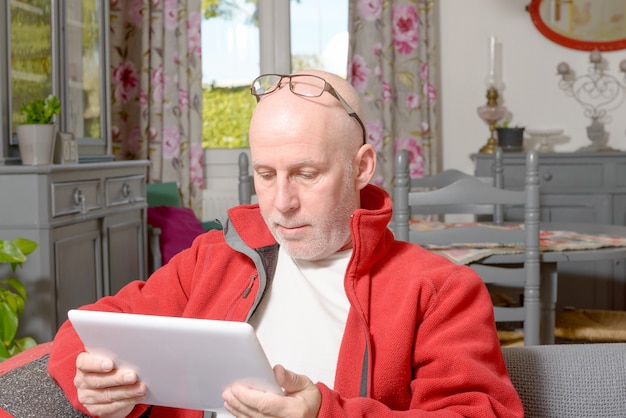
[564, 381]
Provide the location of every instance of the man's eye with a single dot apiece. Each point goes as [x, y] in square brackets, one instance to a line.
[307, 176]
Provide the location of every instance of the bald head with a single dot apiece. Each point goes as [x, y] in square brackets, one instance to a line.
[341, 85]
[313, 105]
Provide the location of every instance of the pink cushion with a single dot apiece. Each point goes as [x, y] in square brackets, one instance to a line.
[179, 227]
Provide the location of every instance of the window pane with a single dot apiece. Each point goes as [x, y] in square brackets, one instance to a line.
[31, 57]
[319, 35]
[83, 55]
[230, 61]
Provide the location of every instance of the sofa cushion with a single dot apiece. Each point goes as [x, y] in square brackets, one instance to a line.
[179, 227]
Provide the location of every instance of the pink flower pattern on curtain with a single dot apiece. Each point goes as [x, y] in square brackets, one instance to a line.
[392, 65]
[156, 88]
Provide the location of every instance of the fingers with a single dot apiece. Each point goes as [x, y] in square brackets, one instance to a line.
[291, 382]
[243, 402]
[303, 398]
[119, 409]
[95, 373]
[89, 363]
[104, 390]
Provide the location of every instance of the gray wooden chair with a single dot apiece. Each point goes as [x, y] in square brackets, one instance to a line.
[246, 182]
[470, 195]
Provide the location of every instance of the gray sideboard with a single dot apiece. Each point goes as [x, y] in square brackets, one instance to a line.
[90, 223]
[583, 188]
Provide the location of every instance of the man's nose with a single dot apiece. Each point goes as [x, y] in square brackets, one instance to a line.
[286, 198]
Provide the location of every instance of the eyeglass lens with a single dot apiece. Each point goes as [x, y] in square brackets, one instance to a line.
[266, 84]
[303, 85]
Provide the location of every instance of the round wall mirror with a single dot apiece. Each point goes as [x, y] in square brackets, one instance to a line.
[582, 24]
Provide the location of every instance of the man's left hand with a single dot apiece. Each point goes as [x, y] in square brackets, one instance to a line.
[302, 398]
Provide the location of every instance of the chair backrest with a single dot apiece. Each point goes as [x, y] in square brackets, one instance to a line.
[473, 196]
[446, 178]
[246, 182]
[569, 380]
[454, 192]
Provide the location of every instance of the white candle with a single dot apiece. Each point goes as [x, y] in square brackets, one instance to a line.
[498, 66]
[494, 75]
[492, 56]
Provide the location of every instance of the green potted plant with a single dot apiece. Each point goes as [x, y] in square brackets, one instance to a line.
[36, 136]
[13, 297]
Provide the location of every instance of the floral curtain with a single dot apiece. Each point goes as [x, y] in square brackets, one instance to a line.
[393, 66]
[156, 83]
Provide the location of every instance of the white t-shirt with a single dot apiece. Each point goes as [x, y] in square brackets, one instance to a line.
[301, 320]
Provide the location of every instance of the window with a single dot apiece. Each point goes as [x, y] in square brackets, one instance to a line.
[319, 35]
[56, 48]
[278, 36]
[230, 59]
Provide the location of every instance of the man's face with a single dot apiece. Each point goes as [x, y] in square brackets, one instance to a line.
[304, 179]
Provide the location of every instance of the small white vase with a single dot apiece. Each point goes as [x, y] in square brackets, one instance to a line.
[36, 143]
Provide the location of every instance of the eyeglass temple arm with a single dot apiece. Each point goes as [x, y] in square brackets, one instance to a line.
[348, 109]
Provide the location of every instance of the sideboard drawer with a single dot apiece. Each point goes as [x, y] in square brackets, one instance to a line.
[558, 176]
[126, 190]
[571, 175]
[75, 197]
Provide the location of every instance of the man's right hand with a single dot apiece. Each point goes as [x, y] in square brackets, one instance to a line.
[105, 391]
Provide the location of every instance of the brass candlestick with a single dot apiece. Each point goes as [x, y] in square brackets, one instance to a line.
[491, 113]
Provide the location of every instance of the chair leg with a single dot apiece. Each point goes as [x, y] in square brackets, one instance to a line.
[155, 259]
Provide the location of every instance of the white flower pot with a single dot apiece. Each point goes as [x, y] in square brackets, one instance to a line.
[36, 143]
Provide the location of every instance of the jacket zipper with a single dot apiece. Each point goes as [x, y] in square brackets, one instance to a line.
[248, 289]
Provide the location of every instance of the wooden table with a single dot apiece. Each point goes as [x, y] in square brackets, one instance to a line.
[549, 270]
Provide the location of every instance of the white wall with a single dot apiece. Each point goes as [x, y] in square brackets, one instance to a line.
[529, 72]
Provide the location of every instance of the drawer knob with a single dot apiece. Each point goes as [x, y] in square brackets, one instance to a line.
[125, 190]
[547, 176]
[80, 200]
[127, 193]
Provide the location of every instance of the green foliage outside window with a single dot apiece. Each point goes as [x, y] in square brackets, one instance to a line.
[31, 56]
[226, 116]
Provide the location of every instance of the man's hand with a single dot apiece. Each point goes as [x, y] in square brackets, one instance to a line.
[105, 391]
[302, 398]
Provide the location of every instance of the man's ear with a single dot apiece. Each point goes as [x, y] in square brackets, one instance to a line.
[366, 165]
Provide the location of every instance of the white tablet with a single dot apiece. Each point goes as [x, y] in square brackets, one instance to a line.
[185, 363]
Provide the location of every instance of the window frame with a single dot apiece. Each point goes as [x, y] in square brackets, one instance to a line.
[275, 36]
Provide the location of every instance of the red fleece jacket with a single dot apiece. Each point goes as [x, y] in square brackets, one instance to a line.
[419, 341]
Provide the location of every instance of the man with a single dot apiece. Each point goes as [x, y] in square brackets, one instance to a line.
[358, 324]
